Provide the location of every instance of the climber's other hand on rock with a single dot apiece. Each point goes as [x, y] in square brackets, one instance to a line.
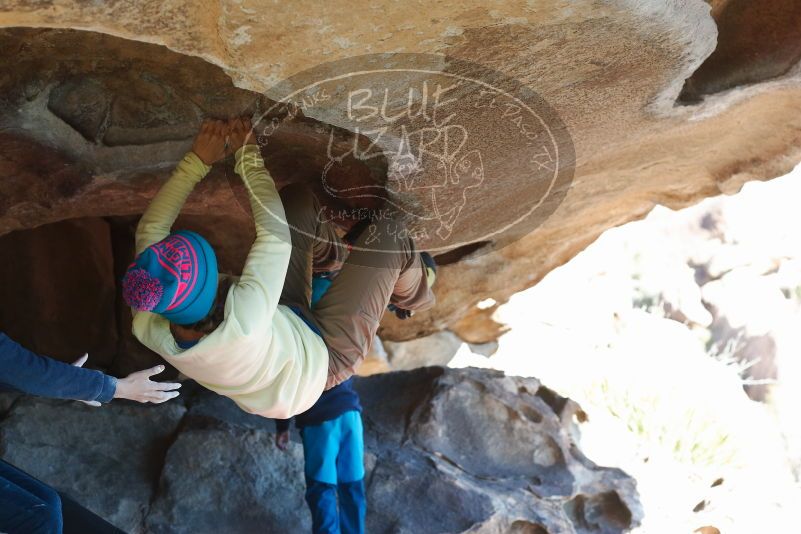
[138, 387]
[209, 144]
[240, 133]
[282, 440]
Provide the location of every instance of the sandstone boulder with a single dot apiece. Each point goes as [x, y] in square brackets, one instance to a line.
[94, 134]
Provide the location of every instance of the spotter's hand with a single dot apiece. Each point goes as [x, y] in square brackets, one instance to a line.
[138, 387]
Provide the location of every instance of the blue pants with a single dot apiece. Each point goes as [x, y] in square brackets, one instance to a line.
[27, 506]
[334, 466]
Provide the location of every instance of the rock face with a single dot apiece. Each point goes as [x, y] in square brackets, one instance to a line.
[94, 134]
[743, 55]
[110, 457]
[446, 451]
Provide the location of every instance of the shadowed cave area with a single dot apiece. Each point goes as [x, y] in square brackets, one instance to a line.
[62, 285]
[757, 41]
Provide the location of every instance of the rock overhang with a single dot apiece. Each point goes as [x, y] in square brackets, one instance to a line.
[611, 71]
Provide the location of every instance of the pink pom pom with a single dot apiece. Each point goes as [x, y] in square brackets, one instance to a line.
[141, 290]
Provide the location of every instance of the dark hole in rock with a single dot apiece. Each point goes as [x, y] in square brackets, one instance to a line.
[531, 414]
[602, 513]
[756, 41]
[527, 527]
[58, 291]
[452, 256]
[699, 507]
[552, 399]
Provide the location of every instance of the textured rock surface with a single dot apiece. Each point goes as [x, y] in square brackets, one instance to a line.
[446, 451]
[436, 349]
[94, 134]
[744, 54]
[107, 457]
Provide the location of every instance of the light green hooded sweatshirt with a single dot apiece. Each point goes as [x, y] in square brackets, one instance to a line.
[263, 356]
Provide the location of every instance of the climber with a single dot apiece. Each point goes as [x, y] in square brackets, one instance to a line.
[333, 452]
[333, 456]
[254, 338]
[26, 504]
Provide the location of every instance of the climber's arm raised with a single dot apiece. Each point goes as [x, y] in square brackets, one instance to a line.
[265, 269]
[208, 147]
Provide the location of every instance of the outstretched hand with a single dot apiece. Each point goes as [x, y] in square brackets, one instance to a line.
[138, 387]
[210, 143]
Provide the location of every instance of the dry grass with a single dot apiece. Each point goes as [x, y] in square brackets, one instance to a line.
[662, 405]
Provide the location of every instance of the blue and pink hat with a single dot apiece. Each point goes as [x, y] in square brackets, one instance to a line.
[176, 278]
